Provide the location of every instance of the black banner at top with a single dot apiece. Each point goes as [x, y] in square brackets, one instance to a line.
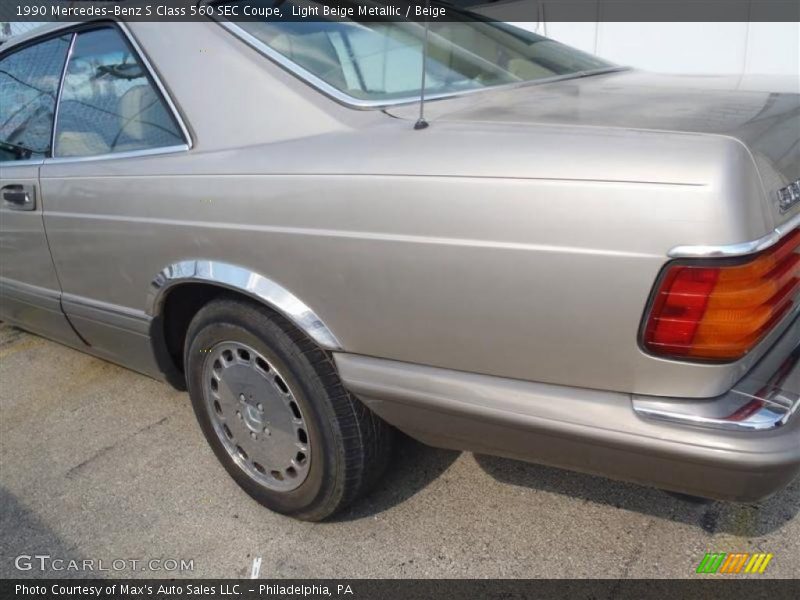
[416, 10]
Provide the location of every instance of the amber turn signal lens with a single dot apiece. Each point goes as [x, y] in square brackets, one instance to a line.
[722, 312]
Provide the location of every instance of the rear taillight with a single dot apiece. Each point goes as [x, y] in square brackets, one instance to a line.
[722, 311]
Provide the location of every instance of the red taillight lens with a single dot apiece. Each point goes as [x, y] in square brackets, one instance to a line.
[722, 312]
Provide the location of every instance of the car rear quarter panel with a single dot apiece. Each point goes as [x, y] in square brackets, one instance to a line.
[522, 252]
[509, 267]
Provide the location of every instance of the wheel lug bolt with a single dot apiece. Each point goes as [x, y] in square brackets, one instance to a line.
[253, 434]
[266, 430]
[241, 397]
[238, 414]
[260, 407]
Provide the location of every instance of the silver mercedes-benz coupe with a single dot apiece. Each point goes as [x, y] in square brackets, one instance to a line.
[573, 263]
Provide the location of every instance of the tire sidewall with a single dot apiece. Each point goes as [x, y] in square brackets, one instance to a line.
[322, 484]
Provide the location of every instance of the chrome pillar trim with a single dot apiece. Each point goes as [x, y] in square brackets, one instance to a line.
[733, 250]
[765, 399]
[60, 92]
[242, 280]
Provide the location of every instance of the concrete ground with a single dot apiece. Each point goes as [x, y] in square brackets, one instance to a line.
[98, 462]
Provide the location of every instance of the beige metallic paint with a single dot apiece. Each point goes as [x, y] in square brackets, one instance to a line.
[500, 245]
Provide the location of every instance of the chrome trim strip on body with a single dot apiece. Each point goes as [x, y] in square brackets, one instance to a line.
[742, 249]
[243, 280]
[359, 103]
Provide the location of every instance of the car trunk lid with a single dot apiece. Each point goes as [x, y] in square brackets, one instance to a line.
[767, 122]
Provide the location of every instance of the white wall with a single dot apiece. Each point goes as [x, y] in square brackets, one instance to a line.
[690, 48]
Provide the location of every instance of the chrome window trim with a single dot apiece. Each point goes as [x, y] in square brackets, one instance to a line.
[361, 104]
[188, 142]
[27, 43]
[742, 249]
[42, 31]
[298, 71]
[113, 155]
[176, 114]
[60, 91]
[31, 162]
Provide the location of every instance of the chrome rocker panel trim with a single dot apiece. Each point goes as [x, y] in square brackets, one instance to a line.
[242, 280]
[733, 250]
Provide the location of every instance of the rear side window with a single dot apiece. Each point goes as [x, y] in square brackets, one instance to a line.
[108, 103]
[29, 81]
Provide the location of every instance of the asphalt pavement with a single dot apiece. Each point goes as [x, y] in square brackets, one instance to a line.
[98, 463]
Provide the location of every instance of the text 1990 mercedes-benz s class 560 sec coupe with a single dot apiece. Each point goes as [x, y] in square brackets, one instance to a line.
[574, 264]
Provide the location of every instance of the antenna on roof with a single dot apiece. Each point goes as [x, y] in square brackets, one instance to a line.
[421, 122]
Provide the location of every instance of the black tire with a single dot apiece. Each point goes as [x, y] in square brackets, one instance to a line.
[350, 445]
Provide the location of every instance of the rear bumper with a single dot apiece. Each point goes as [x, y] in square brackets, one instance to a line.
[741, 446]
[767, 398]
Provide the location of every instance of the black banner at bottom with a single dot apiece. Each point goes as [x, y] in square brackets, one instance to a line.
[401, 589]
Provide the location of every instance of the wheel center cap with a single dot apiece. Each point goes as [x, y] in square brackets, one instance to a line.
[253, 413]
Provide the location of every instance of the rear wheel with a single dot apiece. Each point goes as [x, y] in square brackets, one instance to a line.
[275, 413]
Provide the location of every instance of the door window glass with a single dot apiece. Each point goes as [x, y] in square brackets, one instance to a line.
[29, 81]
[108, 103]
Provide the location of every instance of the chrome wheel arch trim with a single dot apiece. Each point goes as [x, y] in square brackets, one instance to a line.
[245, 281]
[732, 250]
